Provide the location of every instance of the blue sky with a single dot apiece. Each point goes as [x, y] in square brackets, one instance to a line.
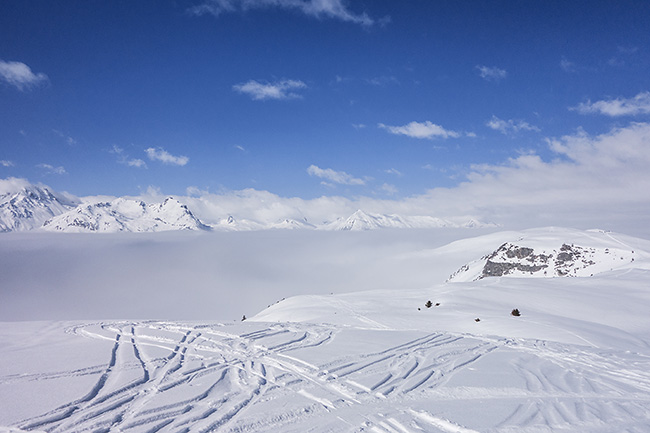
[306, 98]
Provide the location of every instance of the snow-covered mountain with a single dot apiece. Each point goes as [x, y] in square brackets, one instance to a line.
[292, 224]
[361, 220]
[233, 224]
[536, 255]
[29, 207]
[123, 215]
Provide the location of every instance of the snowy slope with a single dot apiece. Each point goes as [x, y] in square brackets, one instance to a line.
[122, 215]
[577, 359]
[292, 224]
[29, 208]
[555, 253]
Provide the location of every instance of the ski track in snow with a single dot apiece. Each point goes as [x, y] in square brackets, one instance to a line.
[174, 377]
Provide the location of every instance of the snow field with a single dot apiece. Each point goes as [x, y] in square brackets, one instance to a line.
[576, 360]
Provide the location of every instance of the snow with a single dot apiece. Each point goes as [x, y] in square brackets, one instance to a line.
[28, 206]
[123, 215]
[370, 357]
[361, 220]
[24, 207]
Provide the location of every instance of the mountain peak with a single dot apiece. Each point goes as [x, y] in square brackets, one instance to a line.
[29, 207]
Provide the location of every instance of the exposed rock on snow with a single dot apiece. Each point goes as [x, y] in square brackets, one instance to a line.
[123, 215]
[29, 208]
[565, 260]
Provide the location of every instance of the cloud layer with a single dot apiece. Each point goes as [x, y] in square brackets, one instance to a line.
[277, 90]
[20, 75]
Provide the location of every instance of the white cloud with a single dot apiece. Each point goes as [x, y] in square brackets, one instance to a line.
[594, 181]
[123, 158]
[591, 182]
[358, 125]
[334, 9]
[136, 162]
[6, 163]
[421, 130]
[50, 169]
[277, 90]
[20, 75]
[491, 73]
[160, 154]
[238, 147]
[393, 171]
[340, 177]
[12, 185]
[510, 126]
[639, 104]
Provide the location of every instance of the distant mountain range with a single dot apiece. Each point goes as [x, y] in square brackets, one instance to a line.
[38, 208]
[123, 215]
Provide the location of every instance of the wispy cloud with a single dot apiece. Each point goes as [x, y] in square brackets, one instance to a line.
[241, 148]
[383, 80]
[277, 90]
[6, 163]
[333, 9]
[20, 75]
[69, 140]
[339, 177]
[511, 126]
[50, 169]
[421, 130]
[389, 189]
[491, 73]
[160, 154]
[393, 171]
[567, 66]
[639, 104]
[123, 158]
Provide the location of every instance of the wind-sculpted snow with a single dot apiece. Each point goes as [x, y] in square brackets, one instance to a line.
[261, 377]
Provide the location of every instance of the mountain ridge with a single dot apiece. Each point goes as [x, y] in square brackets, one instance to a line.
[39, 208]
